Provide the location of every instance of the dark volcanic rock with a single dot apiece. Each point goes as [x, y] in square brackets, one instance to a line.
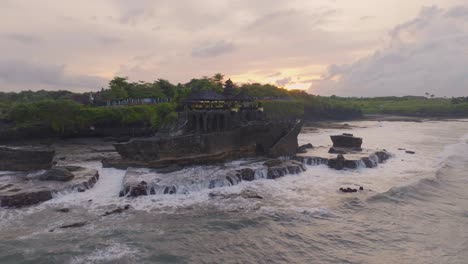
[346, 141]
[334, 150]
[57, 174]
[350, 160]
[25, 158]
[246, 194]
[273, 139]
[304, 148]
[169, 169]
[139, 181]
[280, 168]
[247, 174]
[20, 189]
[74, 225]
[117, 211]
[287, 145]
[348, 190]
[382, 155]
[337, 163]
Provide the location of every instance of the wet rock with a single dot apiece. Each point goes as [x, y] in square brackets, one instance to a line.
[63, 210]
[337, 163]
[140, 181]
[134, 190]
[280, 168]
[247, 174]
[249, 194]
[246, 194]
[57, 174]
[25, 158]
[17, 189]
[383, 155]
[348, 190]
[346, 141]
[304, 148]
[314, 161]
[334, 150]
[361, 188]
[74, 225]
[169, 169]
[369, 163]
[410, 152]
[117, 211]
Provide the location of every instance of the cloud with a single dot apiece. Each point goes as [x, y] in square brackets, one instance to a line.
[276, 74]
[284, 81]
[426, 54]
[19, 75]
[132, 12]
[213, 50]
[22, 38]
[108, 40]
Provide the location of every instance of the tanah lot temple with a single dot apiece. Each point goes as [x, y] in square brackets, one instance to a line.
[212, 128]
[208, 111]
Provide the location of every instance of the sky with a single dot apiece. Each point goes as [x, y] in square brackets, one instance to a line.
[325, 47]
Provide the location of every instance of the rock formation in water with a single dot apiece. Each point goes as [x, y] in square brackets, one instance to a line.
[22, 189]
[350, 154]
[272, 139]
[25, 158]
[138, 182]
[346, 141]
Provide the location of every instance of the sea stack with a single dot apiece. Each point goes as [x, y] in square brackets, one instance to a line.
[212, 128]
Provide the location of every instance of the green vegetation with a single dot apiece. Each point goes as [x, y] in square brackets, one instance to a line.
[65, 112]
[283, 110]
[64, 116]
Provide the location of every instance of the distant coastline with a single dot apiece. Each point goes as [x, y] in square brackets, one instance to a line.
[127, 109]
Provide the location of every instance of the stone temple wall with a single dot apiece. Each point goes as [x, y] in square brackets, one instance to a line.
[208, 121]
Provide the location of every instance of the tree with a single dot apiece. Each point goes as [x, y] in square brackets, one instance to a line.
[229, 88]
[118, 88]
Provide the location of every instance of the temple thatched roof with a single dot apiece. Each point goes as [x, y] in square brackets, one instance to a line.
[204, 96]
[242, 97]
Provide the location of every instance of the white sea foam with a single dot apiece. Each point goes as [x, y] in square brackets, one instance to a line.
[315, 188]
[113, 252]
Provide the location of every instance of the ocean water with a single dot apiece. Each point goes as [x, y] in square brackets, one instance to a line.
[414, 209]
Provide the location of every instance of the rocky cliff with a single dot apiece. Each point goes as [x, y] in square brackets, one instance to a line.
[273, 139]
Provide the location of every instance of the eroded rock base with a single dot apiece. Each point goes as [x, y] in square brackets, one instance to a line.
[138, 182]
[344, 159]
[23, 189]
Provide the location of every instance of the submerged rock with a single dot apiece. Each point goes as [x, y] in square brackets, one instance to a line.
[280, 168]
[348, 190]
[246, 194]
[25, 158]
[57, 174]
[350, 160]
[138, 181]
[74, 225]
[337, 163]
[117, 211]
